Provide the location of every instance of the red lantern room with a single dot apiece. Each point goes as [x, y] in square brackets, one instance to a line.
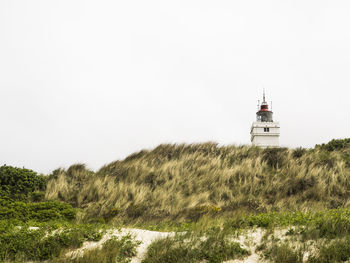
[264, 114]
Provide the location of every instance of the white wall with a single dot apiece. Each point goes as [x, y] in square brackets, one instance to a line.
[265, 139]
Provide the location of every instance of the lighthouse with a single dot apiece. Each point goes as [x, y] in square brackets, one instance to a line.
[264, 131]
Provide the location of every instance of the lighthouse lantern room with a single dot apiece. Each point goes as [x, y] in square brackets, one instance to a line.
[264, 131]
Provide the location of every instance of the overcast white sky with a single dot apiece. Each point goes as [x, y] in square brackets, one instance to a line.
[94, 81]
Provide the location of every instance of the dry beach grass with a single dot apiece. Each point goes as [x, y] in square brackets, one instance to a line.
[189, 181]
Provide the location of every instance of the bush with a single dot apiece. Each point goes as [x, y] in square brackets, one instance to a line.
[18, 184]
[44, 211]
[335, 144]
[43, 243]
[37, 196]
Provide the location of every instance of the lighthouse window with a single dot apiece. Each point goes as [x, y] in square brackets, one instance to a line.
[266, 129]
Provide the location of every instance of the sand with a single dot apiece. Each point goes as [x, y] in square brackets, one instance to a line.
[145, 236]
[249, 240]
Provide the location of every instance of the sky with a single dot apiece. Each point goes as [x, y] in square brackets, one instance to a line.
[91, 82]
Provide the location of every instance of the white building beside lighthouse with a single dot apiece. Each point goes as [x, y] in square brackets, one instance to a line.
[264, 131]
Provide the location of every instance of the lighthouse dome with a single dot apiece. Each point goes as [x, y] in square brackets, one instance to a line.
[264, 114]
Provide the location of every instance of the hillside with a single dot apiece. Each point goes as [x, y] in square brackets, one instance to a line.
[189, 181]
[216, 204]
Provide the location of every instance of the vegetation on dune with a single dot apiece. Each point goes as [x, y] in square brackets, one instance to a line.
[289, 237]
[283, 252]
[304, 244]
[22, 206]
[115, 249]
[22, 243]
[335, 251]
[212, 246]
[190, 181]
[335, 144]
[22, 197]
[21, 184]
[207, 194]
[328, 223]
[43, 211]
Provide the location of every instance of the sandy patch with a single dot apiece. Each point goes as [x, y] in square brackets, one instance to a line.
[249, 239]
[145, 236]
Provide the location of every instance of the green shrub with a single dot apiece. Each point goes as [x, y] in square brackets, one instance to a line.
[37, 196]
[43, 211]
[18, 184]
[43, 244]
[335, 144]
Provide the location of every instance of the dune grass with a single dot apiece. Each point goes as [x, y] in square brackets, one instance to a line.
[186, 182]
[115, 249]
[211, 246]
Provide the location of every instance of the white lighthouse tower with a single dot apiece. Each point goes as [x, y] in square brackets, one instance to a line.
[265, 132]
